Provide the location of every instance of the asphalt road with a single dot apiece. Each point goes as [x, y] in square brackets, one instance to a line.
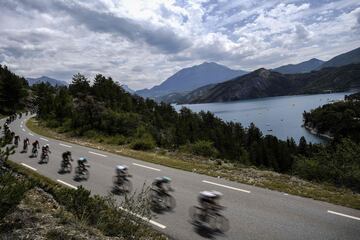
[254, 213]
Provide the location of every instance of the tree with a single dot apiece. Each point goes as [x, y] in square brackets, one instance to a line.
[13, 91]
[303, 146]
[80, 85]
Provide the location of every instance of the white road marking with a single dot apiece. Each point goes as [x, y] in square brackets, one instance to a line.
[31, 134]
[225, 186]
[64, 145]
[22, 122]
[155, 169]
[67, 184]
[102, 155]
[344, 215]
[23, 130]
[21, 125]
[29, 166]
[44, 139]
[145, 219]
[286, 194]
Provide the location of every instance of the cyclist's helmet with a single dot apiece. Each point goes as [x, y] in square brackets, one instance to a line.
[121, 168]
[207, 194]
[217, 194]
[166, 179]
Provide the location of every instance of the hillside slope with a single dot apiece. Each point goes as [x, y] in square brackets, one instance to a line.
[266, 83]
[302, 67]
[351, 57]
[188, 79]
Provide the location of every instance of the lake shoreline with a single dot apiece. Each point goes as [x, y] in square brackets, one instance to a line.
[278, 116]
[314, 131]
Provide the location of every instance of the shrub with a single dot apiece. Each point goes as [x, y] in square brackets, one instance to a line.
[202, 148]
[340, 166]
[12, 191]
[91, 134]
[52, 123]
[146, 142]
[116, 139]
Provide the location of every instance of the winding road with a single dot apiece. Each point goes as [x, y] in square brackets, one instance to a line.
[254, 213]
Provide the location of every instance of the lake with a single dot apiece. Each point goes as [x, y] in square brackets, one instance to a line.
[278, 116]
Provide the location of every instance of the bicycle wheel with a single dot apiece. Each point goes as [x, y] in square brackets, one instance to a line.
[86, 174]
[170, 202]
[219, 222]
[127, 186]
[194, 213]
[69, 167]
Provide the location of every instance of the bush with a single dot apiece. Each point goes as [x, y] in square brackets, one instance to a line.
[116, 139]
[91, 134]
[66, 126]
[12, 191]
[52, 123]
[146, 142]
[340, 166]
[202, 148]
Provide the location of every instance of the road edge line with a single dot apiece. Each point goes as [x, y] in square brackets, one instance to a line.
[225, 186]
[30, 167]
[66, 184]
[144, 218]
[343, 215]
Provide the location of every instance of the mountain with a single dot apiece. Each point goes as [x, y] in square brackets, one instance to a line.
[302, 67]
[343, 59]
[45, 79]
[127, 89]
[188, 79]
[267, 83]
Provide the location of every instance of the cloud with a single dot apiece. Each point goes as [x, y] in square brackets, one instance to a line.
[162, 38]
[141, 43]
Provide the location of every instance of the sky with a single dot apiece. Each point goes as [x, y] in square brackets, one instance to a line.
[142, 42]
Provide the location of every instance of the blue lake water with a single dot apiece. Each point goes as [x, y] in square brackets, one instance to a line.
[278, 116]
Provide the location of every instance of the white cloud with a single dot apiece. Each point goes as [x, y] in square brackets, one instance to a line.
[141, 43]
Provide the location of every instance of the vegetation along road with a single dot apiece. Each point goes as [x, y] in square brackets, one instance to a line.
[254, 213]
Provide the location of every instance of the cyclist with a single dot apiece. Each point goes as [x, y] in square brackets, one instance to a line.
[66, 156]
[26, 144]
[35, 146]
[121, 173]
[16, 140]
[209, 200]
[162, 185]
[82, 164]
[45, 150]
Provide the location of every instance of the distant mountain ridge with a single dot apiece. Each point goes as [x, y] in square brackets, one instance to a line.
[350, 57]
[45, 79]
[302, 67]
[267, 83]
[188, 79]
[127, 88]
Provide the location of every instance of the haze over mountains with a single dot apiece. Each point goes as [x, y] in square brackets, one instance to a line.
[302, 67]
[343, 59]
[188, 79]
[209, 81]
[44, 79]
[267, 83]
[313, 76]
[187, 83]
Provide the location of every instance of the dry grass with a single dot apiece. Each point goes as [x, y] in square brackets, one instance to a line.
[247, 175]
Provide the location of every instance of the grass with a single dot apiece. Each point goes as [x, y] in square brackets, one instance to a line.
[247, 175]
